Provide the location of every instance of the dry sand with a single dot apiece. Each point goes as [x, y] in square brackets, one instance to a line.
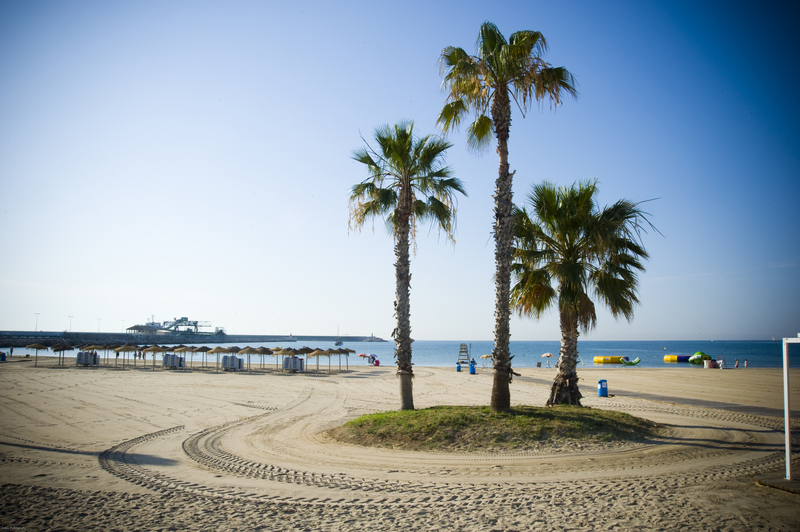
[135, 449]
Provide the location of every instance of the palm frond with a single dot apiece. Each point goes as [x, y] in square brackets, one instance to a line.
[531, 291]
[479, 133]
[553, 84]
[489, 41]
[583, 249]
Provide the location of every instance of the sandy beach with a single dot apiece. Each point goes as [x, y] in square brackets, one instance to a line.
[137, 449]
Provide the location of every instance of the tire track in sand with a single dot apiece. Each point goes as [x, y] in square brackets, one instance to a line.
[204, 448]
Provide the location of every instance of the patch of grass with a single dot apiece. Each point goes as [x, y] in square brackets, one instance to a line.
[450, 428]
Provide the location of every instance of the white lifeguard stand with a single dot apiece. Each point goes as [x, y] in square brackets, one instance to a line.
[463, 354]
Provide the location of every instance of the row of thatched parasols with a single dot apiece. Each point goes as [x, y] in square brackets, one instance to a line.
[125, 349]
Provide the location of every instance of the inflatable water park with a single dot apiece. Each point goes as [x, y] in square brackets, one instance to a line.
[617, 360]
[696, 358]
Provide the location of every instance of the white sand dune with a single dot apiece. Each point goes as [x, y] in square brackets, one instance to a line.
[104, 449]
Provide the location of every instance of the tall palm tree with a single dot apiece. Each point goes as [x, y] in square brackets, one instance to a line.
[484, 84]
[568, 248]
[408, 182]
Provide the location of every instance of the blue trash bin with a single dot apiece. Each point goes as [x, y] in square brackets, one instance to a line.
[471, 369]
[2, 357]
[602, 388]
[458, 366]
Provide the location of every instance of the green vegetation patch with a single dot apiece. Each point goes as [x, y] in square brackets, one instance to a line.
[449, 428]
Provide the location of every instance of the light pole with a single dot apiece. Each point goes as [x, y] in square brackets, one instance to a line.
[98, 324]
[70, 323]
[37, 322]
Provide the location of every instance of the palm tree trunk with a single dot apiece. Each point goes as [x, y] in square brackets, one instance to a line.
[504, 240]
[565, 386]
[402, 334]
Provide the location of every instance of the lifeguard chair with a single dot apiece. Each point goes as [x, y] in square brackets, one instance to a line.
[463, 354]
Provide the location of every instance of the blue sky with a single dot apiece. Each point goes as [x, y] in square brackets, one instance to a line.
[193, 159]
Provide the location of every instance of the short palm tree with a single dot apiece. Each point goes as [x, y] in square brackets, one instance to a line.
[484, 84]
[408, 182]
[566, 249]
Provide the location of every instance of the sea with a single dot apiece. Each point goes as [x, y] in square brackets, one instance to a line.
[759, 354]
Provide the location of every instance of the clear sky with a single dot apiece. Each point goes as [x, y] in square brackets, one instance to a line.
[193, 159]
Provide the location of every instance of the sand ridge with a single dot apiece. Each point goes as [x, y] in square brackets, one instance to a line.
[256, 444]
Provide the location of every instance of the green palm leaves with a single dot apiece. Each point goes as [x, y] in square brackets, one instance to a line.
[402, 162]
[568, 248]
[514, 67]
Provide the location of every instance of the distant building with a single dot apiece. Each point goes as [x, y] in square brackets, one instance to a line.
[148, 329]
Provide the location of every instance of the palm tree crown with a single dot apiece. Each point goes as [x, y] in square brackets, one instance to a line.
[485, 84]
[568, 249]
[408, 182]
[401, 163]
[501, 69]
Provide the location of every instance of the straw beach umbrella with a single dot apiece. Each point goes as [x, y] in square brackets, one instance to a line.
[346, 352]
[330, 352]
[219, 349]
[287, 351]
[263, 351]
[326, 353]
[349, 351]
[37, 347]
[305, 350]
[155, 348]
[203, 349]
[234, 350]
[60, 348]
[93, 347]
[185, 350]
[125, 349]
[316, 354]
[248, 351]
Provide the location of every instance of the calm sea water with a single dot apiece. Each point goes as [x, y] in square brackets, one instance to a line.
[759, 354]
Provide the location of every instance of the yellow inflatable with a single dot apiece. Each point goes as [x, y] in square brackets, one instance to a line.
[608, 360]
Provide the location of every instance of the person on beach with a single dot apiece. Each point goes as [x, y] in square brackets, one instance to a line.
[737, 363]
[745, 363]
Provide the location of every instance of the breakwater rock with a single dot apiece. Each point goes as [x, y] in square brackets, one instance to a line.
[23, 338]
